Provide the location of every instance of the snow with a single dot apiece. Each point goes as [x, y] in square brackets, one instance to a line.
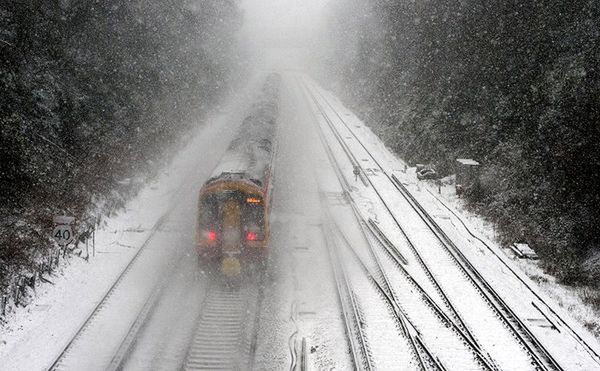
[467, 161]
[36, 334]
[250, 153]
[302, 301]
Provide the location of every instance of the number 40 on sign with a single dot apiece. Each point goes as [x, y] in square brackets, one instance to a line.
[63, 233]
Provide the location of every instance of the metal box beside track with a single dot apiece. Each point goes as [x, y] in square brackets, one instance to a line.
[467, 174]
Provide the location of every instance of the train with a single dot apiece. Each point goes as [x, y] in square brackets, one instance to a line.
[232, 230]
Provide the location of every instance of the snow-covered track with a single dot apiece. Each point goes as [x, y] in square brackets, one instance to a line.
[225, 335]
[590, 350]
[144, 315]
[454, 322]
[425, 357]
[540, 358]
[367, 310]
[421, 355]
[359, 349]
[59, 362]
[421, 352]
[540, 355]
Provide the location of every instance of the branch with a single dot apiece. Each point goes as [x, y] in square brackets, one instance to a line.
[7, 43]
[73, 159]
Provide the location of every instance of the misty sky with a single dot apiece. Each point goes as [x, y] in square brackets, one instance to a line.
[288, 21]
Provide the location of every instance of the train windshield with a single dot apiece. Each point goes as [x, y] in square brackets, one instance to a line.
[254, 218]
[208, 214]
[252, 213]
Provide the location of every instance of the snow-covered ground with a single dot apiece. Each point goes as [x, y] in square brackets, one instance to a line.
[300, 300]
[36, 334]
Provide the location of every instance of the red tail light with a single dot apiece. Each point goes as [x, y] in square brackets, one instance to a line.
[211, 235]
[251, 236]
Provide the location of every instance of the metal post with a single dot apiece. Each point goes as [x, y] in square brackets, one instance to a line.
[94, 241]
[16, 293]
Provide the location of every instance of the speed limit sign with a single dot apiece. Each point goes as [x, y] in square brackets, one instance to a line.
[63, 234]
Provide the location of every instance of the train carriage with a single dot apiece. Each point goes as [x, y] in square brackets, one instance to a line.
[234, 204]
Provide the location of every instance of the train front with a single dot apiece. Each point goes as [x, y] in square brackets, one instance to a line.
[232, 228]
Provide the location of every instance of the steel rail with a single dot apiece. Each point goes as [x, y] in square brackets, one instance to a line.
[254, 338]
[542, 357]
[129, 340]
[391, 251]
[393, 302]
[461, 328]
[385, 289]
[465, 332]
[350, 315]
[350, 312]
[591, 351]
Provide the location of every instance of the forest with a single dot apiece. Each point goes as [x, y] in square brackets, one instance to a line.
[512, 84]
[93, 94]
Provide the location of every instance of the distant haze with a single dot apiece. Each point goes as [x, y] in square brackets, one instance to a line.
[277, 23]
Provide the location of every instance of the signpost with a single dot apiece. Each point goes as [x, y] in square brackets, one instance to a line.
[63, 233]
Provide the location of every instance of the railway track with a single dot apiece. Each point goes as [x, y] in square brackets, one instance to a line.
[368, 307]
[225, 335]
[426, 359]
[61, 361]
[540, 358]
[589, 349]
[121, 356]
[359, 348]
[540, 355]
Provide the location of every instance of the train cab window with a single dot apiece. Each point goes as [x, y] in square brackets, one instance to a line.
[254, 218]
[208, 212]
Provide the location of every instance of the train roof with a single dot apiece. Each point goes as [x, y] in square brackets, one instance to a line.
[250, 154]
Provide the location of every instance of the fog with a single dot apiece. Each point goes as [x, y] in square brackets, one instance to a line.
[282, 22]
[280, 34]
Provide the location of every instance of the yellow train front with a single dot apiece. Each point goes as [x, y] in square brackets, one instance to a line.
[233, 224]
[232, 231]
